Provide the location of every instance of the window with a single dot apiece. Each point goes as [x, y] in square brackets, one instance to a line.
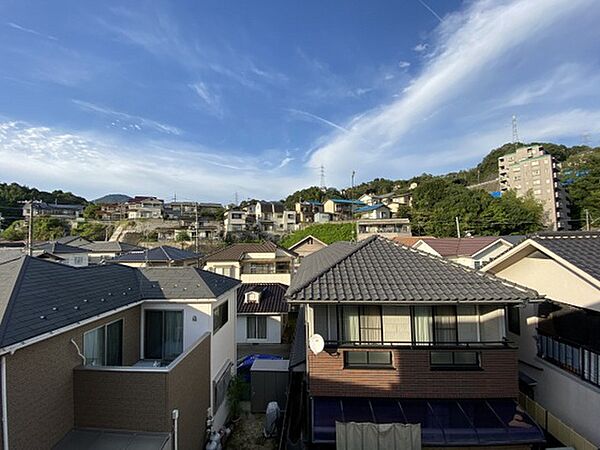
[220, 388]
[435, 324]
[514, 320]
[256, 327]
[78, 260]
[367, 359]
[454, 360]
[362, 324]
[220, 316]
[103, 346]
[163, 334]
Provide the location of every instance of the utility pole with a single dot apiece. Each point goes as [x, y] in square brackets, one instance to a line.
[352, 207]
[587, 220]
[322, 177]
[197, 226]
[515, 133]
[457, 227]
[30, 230]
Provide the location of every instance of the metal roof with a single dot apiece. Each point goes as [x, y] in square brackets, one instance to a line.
[163, 253]
[370, 208]
[110, 246]
[236, 252]
[183, 282]
[56, 248]
[272, 298]
[380, 270]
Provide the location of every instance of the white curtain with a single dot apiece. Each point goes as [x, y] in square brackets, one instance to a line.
[93, 347]
[261, 327]
[351, 325]
[370, 324]
[173, 334]
[371, 436]
[445, 324]
[423, 325]
[491, 320]
[468, 323]
[396, 324]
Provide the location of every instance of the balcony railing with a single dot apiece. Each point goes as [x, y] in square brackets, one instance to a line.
[570, 356]
[421, 345]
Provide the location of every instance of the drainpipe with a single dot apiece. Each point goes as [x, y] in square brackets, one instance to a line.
[4, 406]
[175, 417]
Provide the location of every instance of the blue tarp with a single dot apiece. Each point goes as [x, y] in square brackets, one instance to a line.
[244, 364]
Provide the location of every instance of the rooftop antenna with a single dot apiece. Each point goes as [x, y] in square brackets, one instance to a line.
[515, 132]
[322, 177]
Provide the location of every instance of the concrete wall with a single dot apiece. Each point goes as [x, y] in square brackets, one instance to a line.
[412, 377]
[40, 383]
[143, 399]
[283, 278]
[273, 331]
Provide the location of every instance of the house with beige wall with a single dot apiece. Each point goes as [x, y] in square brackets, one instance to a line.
[307, 246]
[559, 340]
[264, 262]
[145, 353]
[261, 313]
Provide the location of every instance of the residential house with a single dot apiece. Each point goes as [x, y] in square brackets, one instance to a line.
[306, 211]
[100, 251]
[531, 170]
[341, 209]
[410, 338]
[559, 351]
[57, 210]
[264, 262]
[474, 252]
[272, 217]
[393, 200]
[74, 241]
[145, 208]
[112, 212]
[68, 254]
[373, 212]
[389, 228]
[307, 246]
[162, 256]
[235, 221]
[261, 313]
[180, 210]
[139, 352]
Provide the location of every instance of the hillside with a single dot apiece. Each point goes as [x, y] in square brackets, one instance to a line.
[112, 198]
[326, 232]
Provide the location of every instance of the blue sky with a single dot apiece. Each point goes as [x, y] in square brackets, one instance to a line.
[204, 99]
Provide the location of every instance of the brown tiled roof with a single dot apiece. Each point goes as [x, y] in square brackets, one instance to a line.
[460, 247]
[235, 252]
[409, 241]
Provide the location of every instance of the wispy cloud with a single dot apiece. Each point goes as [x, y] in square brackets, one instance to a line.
[430, 9]
[404, 64]
[421, 47]
[16, 26]
[210, 99]
[131, 121]
[313, 117]
[468, 44]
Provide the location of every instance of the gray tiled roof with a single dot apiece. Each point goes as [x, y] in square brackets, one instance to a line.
[110, 246]
[56, 248]
[378, 269]
[38, 296]
[183, 282]
[235, 252]
[272, 298]
[164, 253]
[580, 249]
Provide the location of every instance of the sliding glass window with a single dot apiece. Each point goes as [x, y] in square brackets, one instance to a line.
[362, 324]
[256, 327]
[437, 324]
[163, 334]
[103, 346]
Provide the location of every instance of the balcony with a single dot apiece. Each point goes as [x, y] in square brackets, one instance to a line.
[142, 397]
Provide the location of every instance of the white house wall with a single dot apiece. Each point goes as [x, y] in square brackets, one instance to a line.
[273, 331]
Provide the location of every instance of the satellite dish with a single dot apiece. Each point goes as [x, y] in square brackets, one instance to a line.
[316, 343]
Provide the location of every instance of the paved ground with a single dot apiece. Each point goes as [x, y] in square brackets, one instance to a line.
[270, 349]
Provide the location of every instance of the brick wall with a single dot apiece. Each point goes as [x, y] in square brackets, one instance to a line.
[412, 377]
[40, 383]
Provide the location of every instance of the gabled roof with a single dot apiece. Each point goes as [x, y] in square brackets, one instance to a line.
[75, 241]
[345, 201]
[183, 282]
[379, 270]
[304, 239]
[57, 248]
[272, 298]
[110, 246]
[460, 247]
[370, 208]
[577, 250]
[236, 252]
[164, 253]
[39, 296]
[409, 241]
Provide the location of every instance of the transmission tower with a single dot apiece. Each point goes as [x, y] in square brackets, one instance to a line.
[322, 177]
[515, 132]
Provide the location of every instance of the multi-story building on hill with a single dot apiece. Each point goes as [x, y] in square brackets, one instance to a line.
[532, 170]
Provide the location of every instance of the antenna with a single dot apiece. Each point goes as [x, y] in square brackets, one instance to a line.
[515, 132]
[316, 343]
[322, 177]
[235, 196]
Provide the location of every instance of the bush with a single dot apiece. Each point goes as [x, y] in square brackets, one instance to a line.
[326, 232]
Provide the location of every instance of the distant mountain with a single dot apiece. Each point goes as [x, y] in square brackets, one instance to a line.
[112, 198]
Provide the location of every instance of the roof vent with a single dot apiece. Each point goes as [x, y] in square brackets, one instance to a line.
[42, 317]
[109, 294]
[124, 293]
[54, 308]
[76, 307]
[102, 300]
[85, 300]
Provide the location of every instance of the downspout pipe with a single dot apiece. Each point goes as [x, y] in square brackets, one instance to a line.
[4, 405]
[175, 417]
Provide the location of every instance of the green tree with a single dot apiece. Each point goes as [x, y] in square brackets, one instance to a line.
[182, 238]
[326, 232]
[313, 193]
[91, 211]
[44, 229]
[93, 231]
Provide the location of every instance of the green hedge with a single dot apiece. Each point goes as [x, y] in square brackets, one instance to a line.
[326, 232]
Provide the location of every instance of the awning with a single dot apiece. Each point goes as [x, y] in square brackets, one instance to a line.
[443, 422]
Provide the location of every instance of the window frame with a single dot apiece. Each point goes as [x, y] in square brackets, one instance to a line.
[105, 343]
[455, 365]
[256, 327]
[513, 320]
[368, 365]
[145, 338]
[222, 323]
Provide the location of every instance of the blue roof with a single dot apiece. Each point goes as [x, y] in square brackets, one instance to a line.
[369, 208]
[343, 200]
[496, 194]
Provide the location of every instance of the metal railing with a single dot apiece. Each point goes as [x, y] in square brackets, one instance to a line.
[570, 356]
[465, 345]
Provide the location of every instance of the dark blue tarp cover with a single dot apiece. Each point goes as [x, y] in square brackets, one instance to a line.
[443, 422]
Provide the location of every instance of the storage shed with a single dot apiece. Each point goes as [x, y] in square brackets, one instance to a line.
[269, 383]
